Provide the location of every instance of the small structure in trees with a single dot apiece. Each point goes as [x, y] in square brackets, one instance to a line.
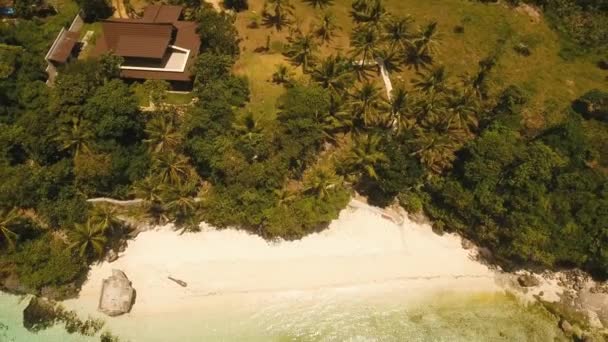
[64, 48]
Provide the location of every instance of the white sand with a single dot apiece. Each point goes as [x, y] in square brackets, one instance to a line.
[361, 252]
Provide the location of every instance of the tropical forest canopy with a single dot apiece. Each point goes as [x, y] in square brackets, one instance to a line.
[457, 147]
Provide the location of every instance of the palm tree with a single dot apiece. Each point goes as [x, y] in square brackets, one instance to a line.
[105, 216]
[162, 135]
[367, 11]
[435, 150]
[171, 167]
[365, 42]
[431, 112]
[7, 220]
[397, 31]
[417, 55]
[282, 75]
[179, 200]
[462, 109]
[321, 181]
[301, 50]
[248, 126]
[88, 239]
[429, 37]
[391, 58]
[364, 102]
[149, 189]
[334, 74]
[433, 81]
[398, 108]
[282, 11]
[326, 29]
[338, 118]
[319, 3]
[365, 155]
[76, 136]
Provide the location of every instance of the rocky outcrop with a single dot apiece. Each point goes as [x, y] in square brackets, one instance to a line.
[117, 294]
[528, 280]
[111, 256]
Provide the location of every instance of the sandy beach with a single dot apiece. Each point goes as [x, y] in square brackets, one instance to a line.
[372, 275]
[361, 251]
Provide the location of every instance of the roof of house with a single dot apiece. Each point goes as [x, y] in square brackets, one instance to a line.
[162, 13]
[186, 38]
[65, 45]
[136, 39]
[153, 37]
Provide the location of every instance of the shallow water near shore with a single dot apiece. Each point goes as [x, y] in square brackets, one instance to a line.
[321, 317]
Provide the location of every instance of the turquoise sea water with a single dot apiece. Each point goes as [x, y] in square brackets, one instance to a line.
[479, 317]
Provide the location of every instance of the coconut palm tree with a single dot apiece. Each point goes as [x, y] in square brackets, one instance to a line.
[149, 189]
[429, 37]
[301, 50]
[461, 108]
[7, 219]
[282, 75]
[76, 136]
[334, 74]
[179, 200]
[88, 239]
[435, 150]
[417, 55]
[326, 28]
[364, 103]
[397, 31]
[365, 42]
[320, 182]
[248, 126]
[367, 11]
[430, 113]
[339, 117]
[319, 3]
[365, 155]
[432, 81]
[171, 167]
[281, 16]
[391, 58]
[162, 135]
[105, 216]
[402, 118]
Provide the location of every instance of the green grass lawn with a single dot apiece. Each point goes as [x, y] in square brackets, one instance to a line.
[179, 98]
[552, 82]
[171, 98]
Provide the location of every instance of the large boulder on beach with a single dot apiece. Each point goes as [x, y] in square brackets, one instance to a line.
[117, 294]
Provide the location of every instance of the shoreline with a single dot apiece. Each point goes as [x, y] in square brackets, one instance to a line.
[367, 254]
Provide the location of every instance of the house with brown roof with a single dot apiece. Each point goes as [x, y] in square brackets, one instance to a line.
[158, 46]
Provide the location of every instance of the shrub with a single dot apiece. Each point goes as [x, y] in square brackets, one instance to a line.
[237, 5]
[523, 49]
[592, 105]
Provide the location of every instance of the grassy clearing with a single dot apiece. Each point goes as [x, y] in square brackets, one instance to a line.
[552, 81]
[143, 97]
[179, 98]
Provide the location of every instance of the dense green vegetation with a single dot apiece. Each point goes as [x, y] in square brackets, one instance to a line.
[455, 146]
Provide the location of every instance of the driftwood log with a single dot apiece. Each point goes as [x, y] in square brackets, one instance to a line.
[179, 282]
